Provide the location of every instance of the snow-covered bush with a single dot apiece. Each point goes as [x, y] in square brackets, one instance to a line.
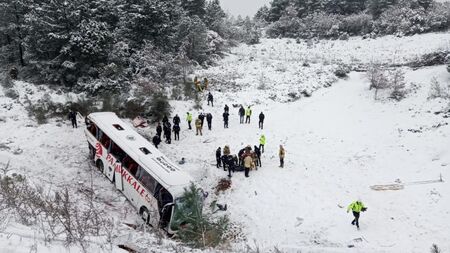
[356, 24]
[401, 20]
[377, 78]
[321, 25]
[437, 90]
[342, 70]
[397, 82]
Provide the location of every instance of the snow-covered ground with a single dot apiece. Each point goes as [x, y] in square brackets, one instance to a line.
[281, 69]
[339, 142]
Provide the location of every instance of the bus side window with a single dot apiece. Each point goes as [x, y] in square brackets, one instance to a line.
[117, 152]
[147, 180]
[105, 141]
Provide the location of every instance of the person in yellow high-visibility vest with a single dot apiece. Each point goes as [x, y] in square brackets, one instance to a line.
[248, 113]
[262, 142]
[356, 207]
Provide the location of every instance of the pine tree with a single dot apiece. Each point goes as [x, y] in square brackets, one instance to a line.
[193, 38]
[152, 20]
[194, 8]
[262, 14]
[215, 16]
[13, 29]
[195, 227]
[376, 7]
[276, 9]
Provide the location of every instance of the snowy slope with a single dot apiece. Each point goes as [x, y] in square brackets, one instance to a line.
[281, 69]
[339, 142]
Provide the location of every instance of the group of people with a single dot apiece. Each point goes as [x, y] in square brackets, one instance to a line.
[199, 86]
[247, 113]
[167, 130]
[246, 159]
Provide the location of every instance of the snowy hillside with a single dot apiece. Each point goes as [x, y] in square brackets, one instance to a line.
[281, 69]
[339, 142]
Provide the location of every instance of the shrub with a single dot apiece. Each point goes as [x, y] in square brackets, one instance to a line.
[377, 78]
[159, 106]
[356, 24]
[197, 228]
[342, 70]
[435, 249]
[437, 90]
[397, 82]
[11, 93]
[320, 24]
[401, 20]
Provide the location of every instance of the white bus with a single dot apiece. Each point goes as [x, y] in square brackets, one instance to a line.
[152, 183]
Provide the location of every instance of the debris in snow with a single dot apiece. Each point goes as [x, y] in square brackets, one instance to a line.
[223, 185]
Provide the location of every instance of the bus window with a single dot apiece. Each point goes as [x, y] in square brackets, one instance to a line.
[105, 141]
[130, 165]
[117, 152]
[146, 180]
[93, 129]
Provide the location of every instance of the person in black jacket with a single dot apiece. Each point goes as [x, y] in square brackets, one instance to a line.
[201, 117]
[218, 157]
[156, 141]
[165, 120]
[241, 114]
[176, 131]
[261, 120]
[167, 128]
[159, 130]
[225, 119]
[209, 120]
[210, 99]
[73, 118]
[176, 120]
[258, 156]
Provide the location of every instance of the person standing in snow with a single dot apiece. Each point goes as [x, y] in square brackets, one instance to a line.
[226, 109]
[241, 115]
[176, 120]
[282, 154]
[248, 114]
[257, 156]
[176, 130]
[73, 118]
[209, 120]
[202, 118]
[225, 119]
[167, 128]
[198, 126]
[356, 207]
[189, 120]
[262, 142]
[218, 157]
[197, 84]
[248, 160]
[205, 83]
[165, 120]
[261, 120]
[159, 130]
[156, 140]
[210, 99]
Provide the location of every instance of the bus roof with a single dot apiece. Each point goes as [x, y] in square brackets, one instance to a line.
[144, 153]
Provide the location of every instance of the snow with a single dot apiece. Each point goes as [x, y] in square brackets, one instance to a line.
[338, 142]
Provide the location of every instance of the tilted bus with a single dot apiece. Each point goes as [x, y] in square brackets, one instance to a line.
[148, 179]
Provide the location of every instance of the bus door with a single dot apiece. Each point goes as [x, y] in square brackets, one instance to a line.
[118, 180]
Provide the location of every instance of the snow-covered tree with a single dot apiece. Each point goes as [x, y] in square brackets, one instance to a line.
[215, 17]
[376, 7]
[193, 38]
[195, 8]
[13, 29]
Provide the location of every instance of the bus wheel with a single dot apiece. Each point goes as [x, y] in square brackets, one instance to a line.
[145, 214]
[99, 165]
